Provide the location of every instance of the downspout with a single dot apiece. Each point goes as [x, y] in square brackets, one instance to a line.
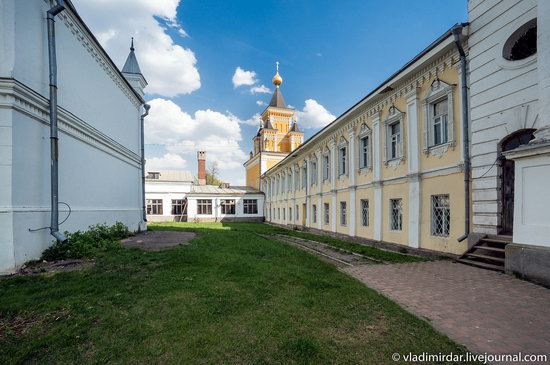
[457, 31]
[54, 139]
[144, 206]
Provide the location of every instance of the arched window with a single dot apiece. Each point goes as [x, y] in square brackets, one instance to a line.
[522, 43]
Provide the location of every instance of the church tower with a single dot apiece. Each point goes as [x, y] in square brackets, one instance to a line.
[132, 72]
[278, 135]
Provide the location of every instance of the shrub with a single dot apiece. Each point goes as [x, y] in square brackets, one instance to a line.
[98, 238]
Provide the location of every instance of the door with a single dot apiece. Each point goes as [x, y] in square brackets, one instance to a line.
[507, 171]
[304, 212]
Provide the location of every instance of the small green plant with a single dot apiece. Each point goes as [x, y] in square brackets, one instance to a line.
[98, 238]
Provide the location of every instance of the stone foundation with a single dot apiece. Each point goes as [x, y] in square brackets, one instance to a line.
[529, 262]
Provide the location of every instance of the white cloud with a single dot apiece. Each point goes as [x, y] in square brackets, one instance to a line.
[169, 161]
[169, 68]
[242, 77]
[253, 120]
[183, 135]
[260, 103]
[262, 89]
[314, 115]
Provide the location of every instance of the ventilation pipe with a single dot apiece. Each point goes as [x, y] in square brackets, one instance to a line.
[146, 107]
[457, 32]
[54, 140]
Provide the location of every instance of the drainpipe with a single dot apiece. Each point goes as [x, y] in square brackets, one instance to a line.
[54, 140]
[457, 31]
[146, 107]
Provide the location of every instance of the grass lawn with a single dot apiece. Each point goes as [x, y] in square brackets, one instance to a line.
[230, 297]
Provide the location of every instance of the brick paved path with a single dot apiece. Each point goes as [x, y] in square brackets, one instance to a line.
[483, 310]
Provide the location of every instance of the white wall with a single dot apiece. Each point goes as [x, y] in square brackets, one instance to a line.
[216, 207]
[503, 97]
[167, 191]
[99, 162]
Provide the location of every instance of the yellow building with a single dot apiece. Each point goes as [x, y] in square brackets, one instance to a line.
[277, 136]
[390, 168]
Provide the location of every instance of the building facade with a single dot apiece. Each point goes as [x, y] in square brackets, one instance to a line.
[166, 193]
[388, 169]
[99, 132]
[277, 136]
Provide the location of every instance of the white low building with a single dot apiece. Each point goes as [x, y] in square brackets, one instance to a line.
[166, 192]
[99, 132]
[175, 195]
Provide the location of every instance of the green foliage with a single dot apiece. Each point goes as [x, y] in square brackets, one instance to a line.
[98, 238]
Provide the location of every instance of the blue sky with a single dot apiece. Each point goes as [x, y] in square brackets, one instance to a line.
[332, 52]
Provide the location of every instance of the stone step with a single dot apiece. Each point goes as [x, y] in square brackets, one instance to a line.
[485, 257]
[482, 265]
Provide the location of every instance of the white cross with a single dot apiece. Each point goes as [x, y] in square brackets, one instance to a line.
[277, 63]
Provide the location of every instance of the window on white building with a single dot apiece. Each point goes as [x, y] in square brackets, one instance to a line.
[250, 206]
[364, 212]
[326, 213]
[297, 214]
[441, 215]
[304, 176]
[204, 206]
[154, 206]
[314, 217]
[394, 137]
[313, 172]
[284, 215]
[396, 214]
[364, 147]
[289, 181]
[343, 213]
[228, 206]
[178, 206]
[290, 214]
[342, 159]
[326, 167]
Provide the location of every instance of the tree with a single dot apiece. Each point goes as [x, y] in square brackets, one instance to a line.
[212, 174]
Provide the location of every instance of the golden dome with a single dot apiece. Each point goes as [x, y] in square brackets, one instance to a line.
[277, 79]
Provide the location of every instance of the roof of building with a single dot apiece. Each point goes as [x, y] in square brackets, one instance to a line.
[171, 175]
[109, 59]
[294, 127]
[277, 99]
[380, 89]
[216, 190]
[268, 125]
[131, 65]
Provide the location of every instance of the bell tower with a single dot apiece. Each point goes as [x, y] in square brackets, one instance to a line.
[278, 135]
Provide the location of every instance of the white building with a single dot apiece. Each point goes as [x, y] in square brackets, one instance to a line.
[166, 192]
[175, 195]
[98, 120]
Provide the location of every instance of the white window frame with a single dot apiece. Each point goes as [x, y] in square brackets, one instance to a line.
[326, 213]
[326, 166]
[204, 204]
[343, 157]
[395, 116]
[343, 213]
[304, 175]
[250, 206]
[313, 170]
[314, 215]
[396, 226]
[365, 133]
[446, 220]
[439, 91]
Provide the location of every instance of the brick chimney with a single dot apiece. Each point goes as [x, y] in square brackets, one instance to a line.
[201, 159]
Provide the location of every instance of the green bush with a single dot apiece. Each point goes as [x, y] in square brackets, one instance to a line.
[98, 238]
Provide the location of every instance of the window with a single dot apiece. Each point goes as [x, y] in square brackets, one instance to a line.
[364, 212]
[297, 213]
[314, 208]
[290, 214]
[304, 176]
[395, 140]
[326, 167]
[313, 172]
[522, 43]
[250, 206]
[289, 181]
[153, 175]
[440, 125]
[228, 206]
[396, 214]
[204, 206]
[342, 160]
[343, 213]
[326, 213]
[296, 179]
[364, 152]
[441, 215]
[279, 213]
[178, 206]
[284, 214]
[154, 206]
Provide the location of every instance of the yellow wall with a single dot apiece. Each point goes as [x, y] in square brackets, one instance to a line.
[253, 176]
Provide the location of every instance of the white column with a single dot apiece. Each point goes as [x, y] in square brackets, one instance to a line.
[320, 189]
[413, 168]
[351, 173]
[378, 221]
[333, 168]
[543, 69]
[308, 191]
